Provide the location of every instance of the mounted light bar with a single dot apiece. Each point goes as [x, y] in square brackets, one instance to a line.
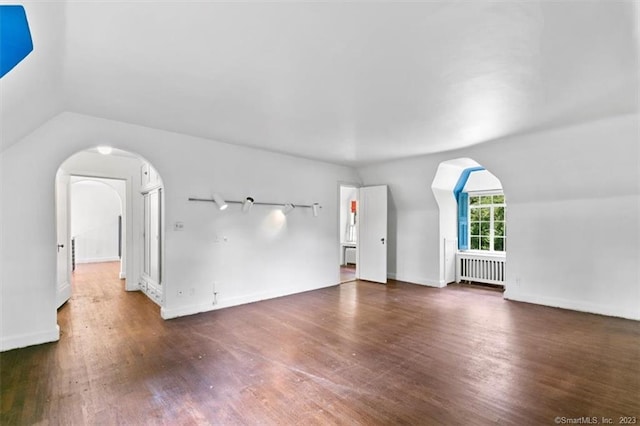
[249, 202]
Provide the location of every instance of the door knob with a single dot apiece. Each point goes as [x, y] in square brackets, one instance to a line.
[382, 240]
[60, 246]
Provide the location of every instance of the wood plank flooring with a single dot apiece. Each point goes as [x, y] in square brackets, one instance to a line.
[347, 273]
[357, 354]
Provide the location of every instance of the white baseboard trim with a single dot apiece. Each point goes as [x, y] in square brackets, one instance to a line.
[414, 280]
[98, 259]
[573, 305]
[30, 339]
[131, 285]
[182, 311]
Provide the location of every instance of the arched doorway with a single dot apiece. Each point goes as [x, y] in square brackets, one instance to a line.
[140, 238]
[472, 223]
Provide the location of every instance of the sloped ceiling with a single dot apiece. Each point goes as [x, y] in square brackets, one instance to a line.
[31, 93]
[351, 83]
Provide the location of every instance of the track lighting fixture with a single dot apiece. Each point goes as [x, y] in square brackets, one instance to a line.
[246, 205]
[222, 205]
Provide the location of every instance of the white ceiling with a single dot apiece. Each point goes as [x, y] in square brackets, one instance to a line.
[355, 82]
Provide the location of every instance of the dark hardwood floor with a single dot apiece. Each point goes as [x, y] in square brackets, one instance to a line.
[347, 273]
[359, 353]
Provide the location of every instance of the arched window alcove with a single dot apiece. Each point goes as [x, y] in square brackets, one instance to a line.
[472, 224]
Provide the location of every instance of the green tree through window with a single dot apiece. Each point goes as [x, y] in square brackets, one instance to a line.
[487, 226]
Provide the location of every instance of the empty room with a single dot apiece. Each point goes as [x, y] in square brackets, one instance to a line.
[257, 212]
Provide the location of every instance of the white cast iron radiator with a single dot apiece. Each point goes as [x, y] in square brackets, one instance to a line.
[481, 268]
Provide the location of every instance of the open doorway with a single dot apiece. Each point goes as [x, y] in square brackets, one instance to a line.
[98, 219]
[348, 232]
[109, 211]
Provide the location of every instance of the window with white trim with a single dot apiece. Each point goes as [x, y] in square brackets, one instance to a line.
[487, 222]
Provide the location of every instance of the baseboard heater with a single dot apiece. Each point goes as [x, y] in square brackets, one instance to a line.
[480, 268]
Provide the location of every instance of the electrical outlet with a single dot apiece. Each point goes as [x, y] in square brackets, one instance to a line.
[178, 226]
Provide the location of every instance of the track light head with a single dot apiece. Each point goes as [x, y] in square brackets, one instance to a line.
[288, 208]
[247, 204]
[222, 205]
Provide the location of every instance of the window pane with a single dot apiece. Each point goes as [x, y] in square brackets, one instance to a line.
[499, 229]
[485, 243]
[485, 228]
[485, 199]
[498, 213]
[474, 200]
[498, 199]
[498, 244]
[475, 243]
[475, 214]
[485, 213]
[475, 228]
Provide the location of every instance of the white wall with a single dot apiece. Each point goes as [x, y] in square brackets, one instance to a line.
[255, 261]
[413, 218]
[482, 180]
[95, 209]
[573, 214]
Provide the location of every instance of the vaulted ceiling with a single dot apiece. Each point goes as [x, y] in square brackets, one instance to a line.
[351, 82]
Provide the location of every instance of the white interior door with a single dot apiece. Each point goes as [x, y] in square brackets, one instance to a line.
[372, 234]
[63, 266]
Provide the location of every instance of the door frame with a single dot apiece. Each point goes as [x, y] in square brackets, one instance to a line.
[357, 186]
[63, 204]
